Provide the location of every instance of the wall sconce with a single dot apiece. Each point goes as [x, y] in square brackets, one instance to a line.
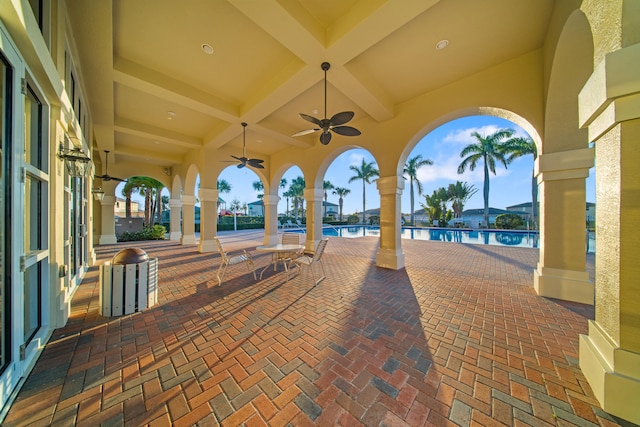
[98, 194]
[78, 164]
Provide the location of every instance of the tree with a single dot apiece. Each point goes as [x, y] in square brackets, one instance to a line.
[297, 192]
[258, 186]
[288, 194]
[519, 147]
[133, 183]
[487, 149]
[365, 172]
[411, 171]
[433, 207]
[460, 193]
[341, 193]
[326, 186]
[223, 187]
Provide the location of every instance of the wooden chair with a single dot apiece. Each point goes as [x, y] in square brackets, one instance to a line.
[227, 259]
[309, 262]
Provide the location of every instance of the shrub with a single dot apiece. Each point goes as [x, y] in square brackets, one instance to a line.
[157, 232]
[353, 219]
[509, 222]
[374, 220]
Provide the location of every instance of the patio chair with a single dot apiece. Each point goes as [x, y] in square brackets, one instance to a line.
[289, 239]
[288, 224]
[308, 262]
[227, 259]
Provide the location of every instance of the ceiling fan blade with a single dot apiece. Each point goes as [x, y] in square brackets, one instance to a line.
[311, 119]
[325, 138]
[255, 161]
[342, 118]
[237, 158]
[118, 179]
[346, 130]
[241, 165]
[255, 165]
[306, 132]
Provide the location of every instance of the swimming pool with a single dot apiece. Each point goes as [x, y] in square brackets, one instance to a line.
[526, 239]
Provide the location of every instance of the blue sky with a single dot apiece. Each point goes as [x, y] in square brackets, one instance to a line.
[508, 187]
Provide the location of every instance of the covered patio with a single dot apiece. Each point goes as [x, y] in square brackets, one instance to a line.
[457, 337]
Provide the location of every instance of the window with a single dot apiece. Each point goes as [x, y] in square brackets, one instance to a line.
[35, 211]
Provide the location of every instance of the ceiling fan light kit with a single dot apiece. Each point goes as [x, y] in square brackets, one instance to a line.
[244, 161]
[334, 124]
[106, 176]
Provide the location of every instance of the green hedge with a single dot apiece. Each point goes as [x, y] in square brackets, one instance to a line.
[157, 232]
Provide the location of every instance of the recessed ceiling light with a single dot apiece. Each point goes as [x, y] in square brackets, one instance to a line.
[315, 111]
[170, 115]
[206, 48]
[156, 142]
[442, 44]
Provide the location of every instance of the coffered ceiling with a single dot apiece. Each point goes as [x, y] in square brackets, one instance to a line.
[155, 93]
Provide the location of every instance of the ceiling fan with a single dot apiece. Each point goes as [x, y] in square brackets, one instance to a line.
[244, 161]
[334, 124]
[106, 176]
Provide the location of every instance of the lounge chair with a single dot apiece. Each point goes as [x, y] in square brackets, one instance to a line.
[227, 260]
[309, 262]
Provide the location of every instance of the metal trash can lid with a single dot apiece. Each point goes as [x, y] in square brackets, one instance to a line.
[130, 256]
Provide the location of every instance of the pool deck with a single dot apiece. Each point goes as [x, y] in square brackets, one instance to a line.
[458, 337]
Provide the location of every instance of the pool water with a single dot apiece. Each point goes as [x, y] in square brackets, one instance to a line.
[526, 239]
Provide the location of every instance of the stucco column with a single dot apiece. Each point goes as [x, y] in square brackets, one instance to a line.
[208, 216]
[313, 197]
[108, 233]
[270, 204]
[188, 221]
[175, 214]
[390, 253]
[562, 270]
[610, 354]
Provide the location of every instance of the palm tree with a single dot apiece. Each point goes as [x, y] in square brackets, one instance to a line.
[460, 193]
[411, 170]
[151, 188]
[223, 187]
[519, 147]
[489, 149]
[365, 172]
[326, 186]
[287, 194]
[341, 193]
[297, 192]
[258, 186]
[132, 184]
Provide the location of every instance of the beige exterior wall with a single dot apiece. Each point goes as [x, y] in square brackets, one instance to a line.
[581, 87]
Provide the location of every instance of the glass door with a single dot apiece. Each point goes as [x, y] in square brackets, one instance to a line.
[6, 79]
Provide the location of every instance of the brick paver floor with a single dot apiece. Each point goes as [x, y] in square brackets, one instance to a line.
[458, 337]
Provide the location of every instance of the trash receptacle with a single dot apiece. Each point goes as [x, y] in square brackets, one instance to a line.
[128, 283]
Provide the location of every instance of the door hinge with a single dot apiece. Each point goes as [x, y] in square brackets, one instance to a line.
[23, 174]
[23, 86]
[23, 352]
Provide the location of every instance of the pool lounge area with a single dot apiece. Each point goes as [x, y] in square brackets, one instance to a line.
[526, 239]
[458, 337]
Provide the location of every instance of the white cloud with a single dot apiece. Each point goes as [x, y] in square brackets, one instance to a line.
[462, 137]
[355, 158]
[445, 167]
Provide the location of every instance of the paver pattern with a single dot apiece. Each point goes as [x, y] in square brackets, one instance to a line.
[458, 337]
